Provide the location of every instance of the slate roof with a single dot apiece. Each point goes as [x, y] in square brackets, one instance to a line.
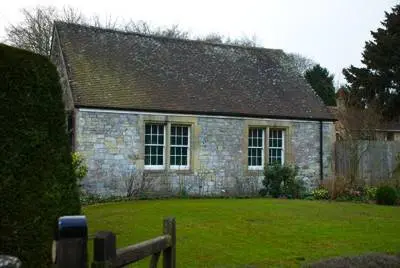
[119, 70]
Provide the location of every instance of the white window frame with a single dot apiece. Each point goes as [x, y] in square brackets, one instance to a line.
[155, 167]
[262, 150]
[180, 167]
[282, 148]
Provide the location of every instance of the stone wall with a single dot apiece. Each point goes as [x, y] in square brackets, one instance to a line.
[112, 143]
[306, 148]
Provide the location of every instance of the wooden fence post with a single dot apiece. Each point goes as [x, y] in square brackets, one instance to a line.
[104, 250]
[71, 253]
[170, 253]
[71, 247]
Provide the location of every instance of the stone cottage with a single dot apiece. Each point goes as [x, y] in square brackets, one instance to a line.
[186, 115]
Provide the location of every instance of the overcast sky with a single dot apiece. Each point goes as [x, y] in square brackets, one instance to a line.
[331, 32]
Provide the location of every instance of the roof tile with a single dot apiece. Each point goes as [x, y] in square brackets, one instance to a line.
[113, 69]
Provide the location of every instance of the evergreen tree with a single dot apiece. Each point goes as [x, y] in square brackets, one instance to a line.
[322, 82]
[379, 80]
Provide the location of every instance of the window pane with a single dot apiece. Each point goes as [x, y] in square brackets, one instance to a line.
[259, 141]
[154, 139]
[276, 144]
[172, 159]
[153, 160]
[179, 140]
[179, 145]
[148, 129]
[161, 129]
[279, 143]
[178, 161]
[160, 160]
[154, 129]
[259, 159]
[147, 139]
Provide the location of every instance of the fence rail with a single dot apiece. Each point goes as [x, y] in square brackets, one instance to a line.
[106, 255]
[371, 161]
[71, 252]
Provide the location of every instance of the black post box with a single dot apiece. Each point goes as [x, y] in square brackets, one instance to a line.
[72, 227]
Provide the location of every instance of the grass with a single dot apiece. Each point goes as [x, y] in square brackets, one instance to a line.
[253, 232]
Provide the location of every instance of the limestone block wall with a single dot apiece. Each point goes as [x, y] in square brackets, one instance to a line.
[113, 144]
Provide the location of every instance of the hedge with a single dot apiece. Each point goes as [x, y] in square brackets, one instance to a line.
[37, 182]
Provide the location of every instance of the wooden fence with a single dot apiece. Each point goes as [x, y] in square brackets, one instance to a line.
[72, 252]
[371, 161]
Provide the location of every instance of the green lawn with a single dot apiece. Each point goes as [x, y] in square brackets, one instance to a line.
[253, 232]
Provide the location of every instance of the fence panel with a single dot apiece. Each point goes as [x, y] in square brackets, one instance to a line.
[371, 161]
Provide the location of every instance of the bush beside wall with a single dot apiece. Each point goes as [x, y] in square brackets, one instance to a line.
[37, 181]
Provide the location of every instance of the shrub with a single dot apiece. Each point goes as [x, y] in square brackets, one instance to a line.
[78, 164]
[281, 180]
[336, 186]
[294, 188]
[386, 195]
[370, 192]
[37, 181]
[320, 194]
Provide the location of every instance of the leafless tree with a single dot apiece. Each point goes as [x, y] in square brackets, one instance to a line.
[299, 63]
[108, 22]
[212, 38]
[244, 41]
[143, 27]
[34, 32]
[70, 15]
[138, 183]
[356, 127]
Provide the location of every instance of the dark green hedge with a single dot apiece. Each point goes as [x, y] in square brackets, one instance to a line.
[37, 183]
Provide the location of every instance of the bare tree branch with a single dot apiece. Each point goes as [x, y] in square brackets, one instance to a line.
[108, 22]
[34, 32]
[71, 15]
[299, 63]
